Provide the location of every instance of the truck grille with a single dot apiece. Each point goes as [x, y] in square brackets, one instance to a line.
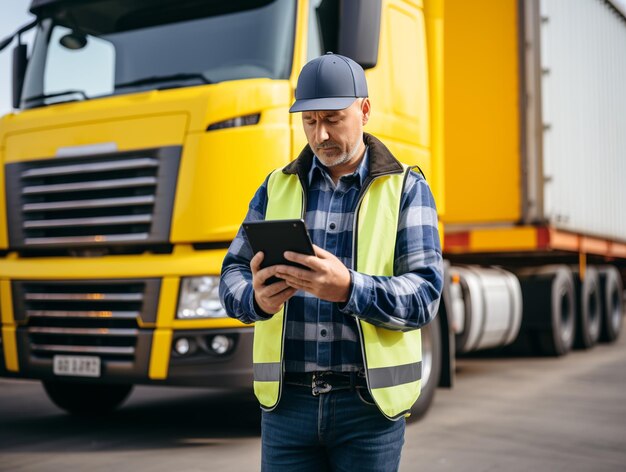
[113, 199]
[95, 317]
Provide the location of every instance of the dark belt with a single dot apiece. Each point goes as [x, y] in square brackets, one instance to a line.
[324, 382]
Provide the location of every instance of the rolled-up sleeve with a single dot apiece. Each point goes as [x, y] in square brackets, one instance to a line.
[410, 298]
[236, 292]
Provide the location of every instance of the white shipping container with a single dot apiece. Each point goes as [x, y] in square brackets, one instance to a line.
[576, 116]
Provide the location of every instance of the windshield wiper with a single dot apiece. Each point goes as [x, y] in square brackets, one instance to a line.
[163, 78]
[43, 96]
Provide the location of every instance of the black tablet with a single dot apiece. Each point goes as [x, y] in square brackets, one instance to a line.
[274, 237]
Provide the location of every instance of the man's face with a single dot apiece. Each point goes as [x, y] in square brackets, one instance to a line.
[336, 137]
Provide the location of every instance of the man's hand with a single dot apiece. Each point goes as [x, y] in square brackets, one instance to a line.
[328, 278]
[270, 298]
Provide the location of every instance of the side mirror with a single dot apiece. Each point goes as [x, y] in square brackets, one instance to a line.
[19, 69]
[359, 31]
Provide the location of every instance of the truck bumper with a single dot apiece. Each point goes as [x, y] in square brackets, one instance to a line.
[209, 369]
[126, 317]
[232, 370]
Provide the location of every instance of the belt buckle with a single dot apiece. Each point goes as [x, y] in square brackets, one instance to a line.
[319, 385]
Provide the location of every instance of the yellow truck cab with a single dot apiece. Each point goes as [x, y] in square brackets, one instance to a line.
[141, 133]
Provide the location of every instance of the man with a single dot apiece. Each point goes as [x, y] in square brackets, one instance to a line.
[337, 349]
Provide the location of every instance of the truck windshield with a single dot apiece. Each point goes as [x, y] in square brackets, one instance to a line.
[98, 48]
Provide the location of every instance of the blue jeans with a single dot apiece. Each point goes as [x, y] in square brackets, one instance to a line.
[335, 431]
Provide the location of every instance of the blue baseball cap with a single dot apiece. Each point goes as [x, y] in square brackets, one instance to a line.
[329, 82]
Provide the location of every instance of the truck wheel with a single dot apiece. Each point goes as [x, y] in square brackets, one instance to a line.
[86, 399]
[611, 291]
[549, 308]
[589, 313]
[431, 367]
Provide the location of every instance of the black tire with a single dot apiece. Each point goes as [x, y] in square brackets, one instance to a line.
[611, 293]
[85, 399]
[549, 303]
[589, 313]
[431, 368]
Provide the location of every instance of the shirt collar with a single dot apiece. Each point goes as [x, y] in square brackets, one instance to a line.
[360, 173]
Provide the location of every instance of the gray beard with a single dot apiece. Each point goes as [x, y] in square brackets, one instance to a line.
[343, 158]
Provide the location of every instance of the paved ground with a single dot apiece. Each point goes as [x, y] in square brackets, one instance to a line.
[514, 414]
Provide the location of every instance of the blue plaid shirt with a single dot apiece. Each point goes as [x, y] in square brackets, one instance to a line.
[321, 335]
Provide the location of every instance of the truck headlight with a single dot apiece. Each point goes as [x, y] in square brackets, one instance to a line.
[199, 298]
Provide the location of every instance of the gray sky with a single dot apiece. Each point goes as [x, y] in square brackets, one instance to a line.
[14, 13]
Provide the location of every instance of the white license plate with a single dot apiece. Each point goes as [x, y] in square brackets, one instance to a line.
[78, 366]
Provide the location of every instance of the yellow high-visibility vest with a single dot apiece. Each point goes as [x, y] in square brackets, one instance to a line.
[392, 359]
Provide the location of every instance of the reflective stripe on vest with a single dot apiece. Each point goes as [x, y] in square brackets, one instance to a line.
[392, 359]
